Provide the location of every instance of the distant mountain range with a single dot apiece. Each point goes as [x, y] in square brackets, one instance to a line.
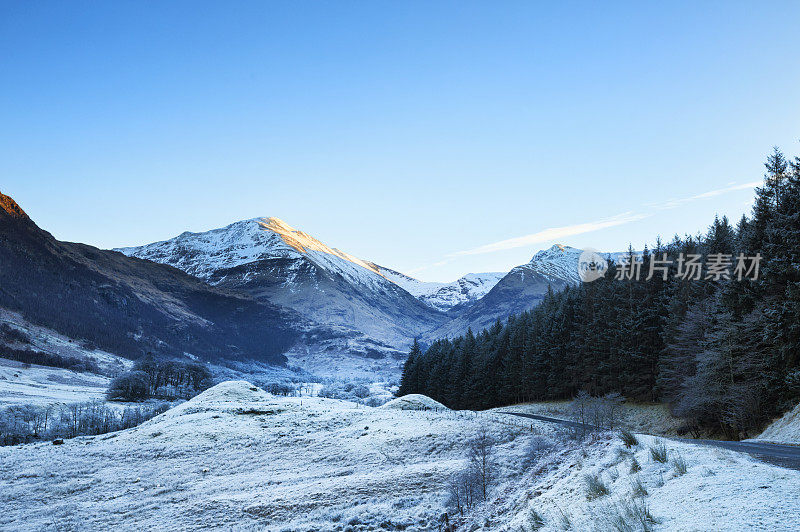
[355, 309]
[256, 289]
[446, 296]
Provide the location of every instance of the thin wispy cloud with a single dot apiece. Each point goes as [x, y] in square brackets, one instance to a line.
[671, 204]
[554, 233]
[559, 233]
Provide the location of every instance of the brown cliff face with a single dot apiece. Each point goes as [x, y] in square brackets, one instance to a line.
[10, 207]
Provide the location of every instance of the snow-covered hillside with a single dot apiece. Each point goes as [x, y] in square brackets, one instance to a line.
[238, 458]
[445, 296]
[46, 340]
[786, 429]
[249, 241]
[30, 384]
[366, 314]
[560, 262]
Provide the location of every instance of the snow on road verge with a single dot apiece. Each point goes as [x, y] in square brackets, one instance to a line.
[783, 430]
[606, 486]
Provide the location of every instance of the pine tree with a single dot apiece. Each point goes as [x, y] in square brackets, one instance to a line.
[409, 381]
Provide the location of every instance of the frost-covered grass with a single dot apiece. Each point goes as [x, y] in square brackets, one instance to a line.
[786, 429]
[238, 458]
[719, 490]
[22, 384]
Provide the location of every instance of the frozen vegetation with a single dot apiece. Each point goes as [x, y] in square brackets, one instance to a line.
[237, 457]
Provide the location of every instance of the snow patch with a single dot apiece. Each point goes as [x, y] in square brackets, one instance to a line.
[414, 401]
[784, 430]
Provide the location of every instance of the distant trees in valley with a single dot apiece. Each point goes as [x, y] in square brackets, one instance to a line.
[162, 378]
[30, 423]
[724, 352]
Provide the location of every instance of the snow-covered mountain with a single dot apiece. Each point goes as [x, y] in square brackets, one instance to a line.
[446, 296]
[519, 290]
[360, 316]
[272, 261]
[123, 306]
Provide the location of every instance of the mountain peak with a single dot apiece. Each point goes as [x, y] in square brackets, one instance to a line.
[303, 242]
[10, 207]
[555, 250]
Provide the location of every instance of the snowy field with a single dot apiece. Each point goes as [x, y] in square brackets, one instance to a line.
[237, 458]
[42, 385]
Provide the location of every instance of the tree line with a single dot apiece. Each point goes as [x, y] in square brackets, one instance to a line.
[723, 352]
[163, 378]
[30, 423]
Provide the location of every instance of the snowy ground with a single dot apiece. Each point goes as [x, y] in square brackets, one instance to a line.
[49, 341]
[238, 458]
[783, 430]
[42, 385]
[720, 490]
[39, 385]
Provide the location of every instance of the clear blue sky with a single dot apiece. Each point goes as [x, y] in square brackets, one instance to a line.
[406, 133]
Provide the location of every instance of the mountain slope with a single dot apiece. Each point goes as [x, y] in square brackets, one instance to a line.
[126, 305]
[273, 262]
[445, 296]
[519, 290]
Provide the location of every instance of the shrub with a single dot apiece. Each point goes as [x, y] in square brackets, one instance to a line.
[537, 447]
[361, 391]
[130, 386]
[595, 487]
[330, 391]
[469, 487]
[279, 388]
[635, 466]
[463, 491]
[679, 465]
[630, 516]
[638, 489]
[480, 453]
[628, 438]
[535, 519]
[658, 453]
[377, 400]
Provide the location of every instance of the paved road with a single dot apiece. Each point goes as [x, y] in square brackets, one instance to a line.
[781, 455]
